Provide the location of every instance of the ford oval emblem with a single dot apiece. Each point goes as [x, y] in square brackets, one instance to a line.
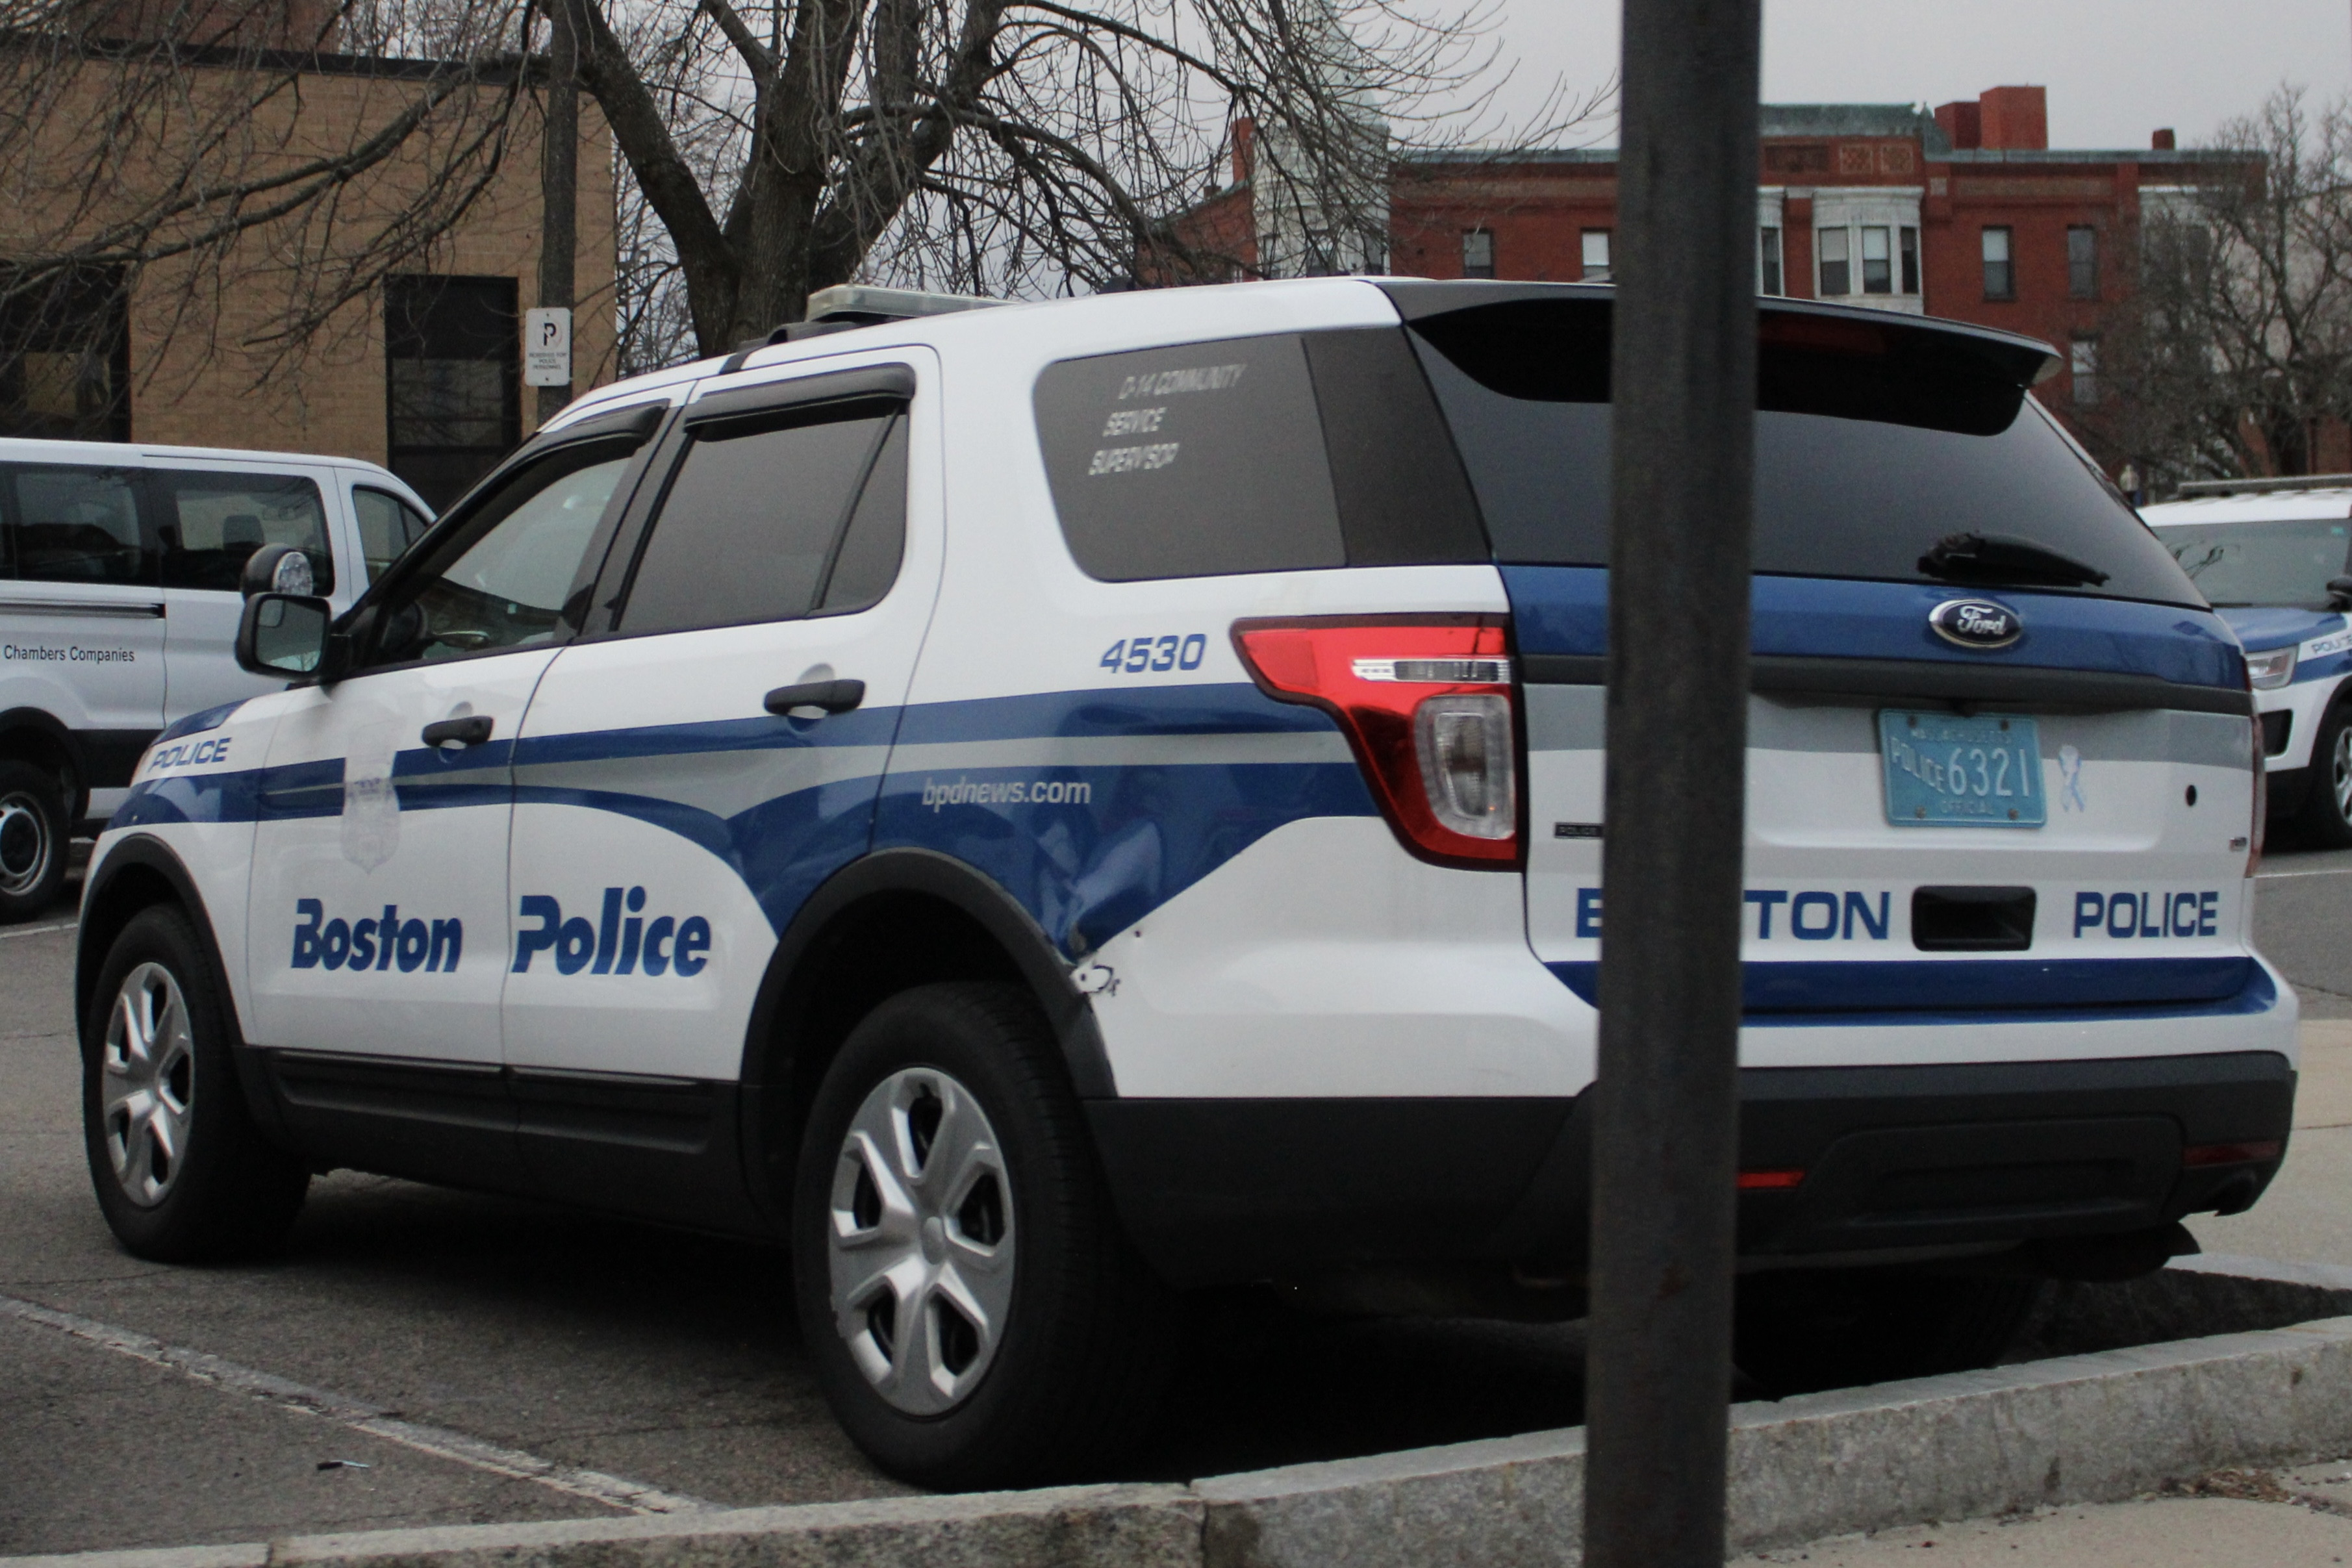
[1976, 623]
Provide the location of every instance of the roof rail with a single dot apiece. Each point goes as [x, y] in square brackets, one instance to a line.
[2193, 488]
[845, 306]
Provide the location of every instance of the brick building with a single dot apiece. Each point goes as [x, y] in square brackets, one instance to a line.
[421, 371]
[1966, 213]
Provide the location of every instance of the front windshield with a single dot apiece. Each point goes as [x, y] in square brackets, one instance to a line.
[2239, 563]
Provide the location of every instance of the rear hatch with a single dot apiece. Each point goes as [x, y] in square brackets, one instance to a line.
[2011, 777]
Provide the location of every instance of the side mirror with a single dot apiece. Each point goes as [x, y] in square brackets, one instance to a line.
[2339, 592]
[277, 569]
[285, 635]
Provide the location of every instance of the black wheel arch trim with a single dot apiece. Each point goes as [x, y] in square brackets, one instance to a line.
[58, 734]
[146, 851]
[942, 877]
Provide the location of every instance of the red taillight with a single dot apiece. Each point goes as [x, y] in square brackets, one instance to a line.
[1426, 704]
[1770, 1181]
[2259, 1151]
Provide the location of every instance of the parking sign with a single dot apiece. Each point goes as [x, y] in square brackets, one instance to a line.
[546, 347]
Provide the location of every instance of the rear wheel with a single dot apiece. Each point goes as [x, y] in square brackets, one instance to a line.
[1804, 1330]
[2327, 809]
[182, 1172]
[975, 1314]
[32, 840]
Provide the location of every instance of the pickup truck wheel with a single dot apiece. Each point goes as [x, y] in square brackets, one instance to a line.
[976, 1316]
[2327, 808]
[182, 1172]
[33, 840]
[1800, 1331]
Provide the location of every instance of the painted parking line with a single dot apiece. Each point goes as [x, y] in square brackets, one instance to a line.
[37, 931]
[612, 1492]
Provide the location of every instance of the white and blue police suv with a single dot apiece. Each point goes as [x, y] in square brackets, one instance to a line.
[2273, 558]
[1055, 806]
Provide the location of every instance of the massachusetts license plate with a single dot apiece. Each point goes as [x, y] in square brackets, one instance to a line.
[1945, 771]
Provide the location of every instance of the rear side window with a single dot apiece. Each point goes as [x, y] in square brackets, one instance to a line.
[210, 523]
[72, 525]
[1274, 453]
[755, 513]
[388, 526]
[1873, 444]
[1193, 461]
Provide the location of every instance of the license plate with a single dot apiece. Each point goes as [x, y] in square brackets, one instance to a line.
[1946, 770]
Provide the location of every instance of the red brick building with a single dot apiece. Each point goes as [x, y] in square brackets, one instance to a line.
[1966, 213]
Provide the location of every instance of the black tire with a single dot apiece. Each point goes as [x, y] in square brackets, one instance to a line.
[2326, 814]
[182, 1174]
[1804, 1330]
[34, 839]
[1074, 1372]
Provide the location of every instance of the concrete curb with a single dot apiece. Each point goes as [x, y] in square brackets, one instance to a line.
[2077, 1428]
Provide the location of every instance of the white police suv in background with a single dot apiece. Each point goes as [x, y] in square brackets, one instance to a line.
[119, 603]
[2273, 557]
[1051, 806]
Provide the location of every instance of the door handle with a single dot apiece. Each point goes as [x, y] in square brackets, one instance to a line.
[468, 731]
[832, 696]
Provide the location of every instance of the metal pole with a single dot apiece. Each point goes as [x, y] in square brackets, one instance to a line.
[559, 178]
[1683, 465]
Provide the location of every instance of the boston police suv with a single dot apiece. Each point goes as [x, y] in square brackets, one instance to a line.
[2273, 557]
[1054, 806]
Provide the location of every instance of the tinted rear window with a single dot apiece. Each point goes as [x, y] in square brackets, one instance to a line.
[1272, 454]
[1872, 444]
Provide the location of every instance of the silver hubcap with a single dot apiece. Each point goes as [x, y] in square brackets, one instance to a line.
[2340, 774]
[149, 1082]
[921, 1241]
[24, 845]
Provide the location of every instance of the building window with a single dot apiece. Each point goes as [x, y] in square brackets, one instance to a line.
[452, 368]
[1596, 255]
[1836, 273]
[2083, 262]
[1910, 248]
[1477, 253]
[1999, 274]
[1877, 262]
[1768, 250]
[2083, 366]
[65, 355]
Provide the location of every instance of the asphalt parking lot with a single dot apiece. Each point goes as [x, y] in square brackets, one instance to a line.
[421, 1357]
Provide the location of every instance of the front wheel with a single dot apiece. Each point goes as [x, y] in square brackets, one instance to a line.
[976, 1317]
[32, 840]
[2327, 809]
[182, 1172]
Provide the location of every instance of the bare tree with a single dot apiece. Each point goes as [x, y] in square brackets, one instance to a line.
[994, 146]
[2236, 343]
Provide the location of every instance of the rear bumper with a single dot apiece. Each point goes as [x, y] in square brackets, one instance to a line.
[1895, 1158]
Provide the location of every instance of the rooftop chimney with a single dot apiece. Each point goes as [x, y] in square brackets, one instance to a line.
[2161, 141]
[1963, 126]
[2016, 118]
[1244, 134]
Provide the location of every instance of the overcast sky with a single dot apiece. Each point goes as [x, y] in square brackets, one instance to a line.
[2115, 68]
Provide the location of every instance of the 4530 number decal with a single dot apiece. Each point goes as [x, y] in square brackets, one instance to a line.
[1171, 650]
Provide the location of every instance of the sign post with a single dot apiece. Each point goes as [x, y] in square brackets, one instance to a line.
[559, 195]
[1683, 467]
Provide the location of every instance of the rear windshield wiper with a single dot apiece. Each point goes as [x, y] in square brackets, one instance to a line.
[2005, 558]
